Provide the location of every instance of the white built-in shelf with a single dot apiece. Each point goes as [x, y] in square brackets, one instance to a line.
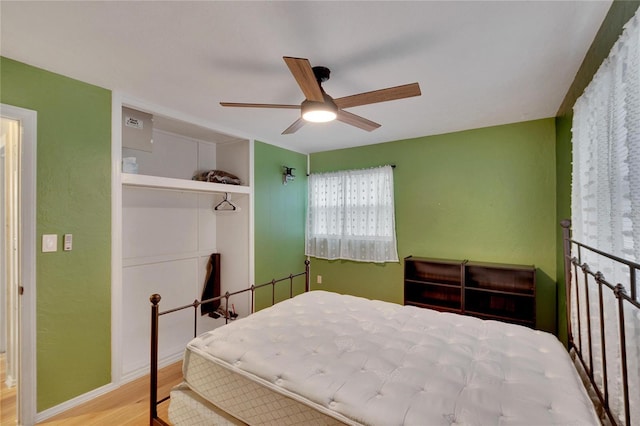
[158, 182]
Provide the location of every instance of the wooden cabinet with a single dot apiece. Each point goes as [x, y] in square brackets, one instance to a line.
[487, 290]
[433, 283]
[501, 291]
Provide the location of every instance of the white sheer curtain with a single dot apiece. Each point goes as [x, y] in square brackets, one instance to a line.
[605, 200]
[351, 216]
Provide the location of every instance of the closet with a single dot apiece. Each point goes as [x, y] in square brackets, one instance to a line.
[170, 227]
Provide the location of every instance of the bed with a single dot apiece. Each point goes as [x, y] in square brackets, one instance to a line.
[325, 358]
[358, 361]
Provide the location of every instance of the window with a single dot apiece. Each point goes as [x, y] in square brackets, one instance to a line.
[605, 197]
[605, 202]
[351, 216]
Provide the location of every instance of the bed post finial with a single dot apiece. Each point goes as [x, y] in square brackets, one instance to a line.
[155, 299]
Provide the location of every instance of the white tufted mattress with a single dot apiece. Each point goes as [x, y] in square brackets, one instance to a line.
[323, 358]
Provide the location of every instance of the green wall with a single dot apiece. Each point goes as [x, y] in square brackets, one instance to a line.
[563, 209]
[73, 196]
[485, 194]
[609, 32]
[279, 219]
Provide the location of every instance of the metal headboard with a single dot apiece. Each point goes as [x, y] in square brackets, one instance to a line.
[574, 266]
[155, 316]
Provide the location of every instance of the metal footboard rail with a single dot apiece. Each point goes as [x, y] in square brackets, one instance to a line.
[156, 314]
[574, 267]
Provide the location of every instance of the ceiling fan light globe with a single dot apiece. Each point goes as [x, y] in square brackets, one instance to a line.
[319, 116]
[319, 112]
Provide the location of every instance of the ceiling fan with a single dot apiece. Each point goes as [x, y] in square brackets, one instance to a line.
[319, 107]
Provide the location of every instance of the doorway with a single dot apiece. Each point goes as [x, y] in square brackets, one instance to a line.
[17, 277]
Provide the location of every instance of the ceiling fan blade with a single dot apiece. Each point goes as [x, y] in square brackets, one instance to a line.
[244, 105]
[303, 73]
[294, 127]
[382, 95]
[357, 121]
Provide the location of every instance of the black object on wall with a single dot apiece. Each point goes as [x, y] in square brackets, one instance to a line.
[211, 287]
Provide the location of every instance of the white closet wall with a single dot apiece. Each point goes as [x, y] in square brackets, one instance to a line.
[168, 235]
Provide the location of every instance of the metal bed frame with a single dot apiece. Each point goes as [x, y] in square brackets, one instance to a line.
[579, 344]
[573, 267]
[156, 313]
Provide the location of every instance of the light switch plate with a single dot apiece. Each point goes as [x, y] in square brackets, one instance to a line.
[67, 242]
[49, 243]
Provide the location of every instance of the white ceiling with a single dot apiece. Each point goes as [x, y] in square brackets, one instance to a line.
[478, 63]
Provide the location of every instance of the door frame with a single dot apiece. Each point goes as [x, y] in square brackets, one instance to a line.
[26, 395]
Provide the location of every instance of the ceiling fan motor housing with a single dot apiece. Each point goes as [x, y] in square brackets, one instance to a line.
[321, 73]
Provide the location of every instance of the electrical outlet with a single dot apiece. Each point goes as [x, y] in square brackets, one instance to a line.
[319, 279]
[49, 243]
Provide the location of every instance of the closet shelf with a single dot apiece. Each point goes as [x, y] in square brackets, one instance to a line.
[129, 179]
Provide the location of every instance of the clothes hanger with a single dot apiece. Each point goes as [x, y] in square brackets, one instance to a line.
[225, 204]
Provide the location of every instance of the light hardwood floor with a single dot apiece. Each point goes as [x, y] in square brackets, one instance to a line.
[126, 406]
[7, 397]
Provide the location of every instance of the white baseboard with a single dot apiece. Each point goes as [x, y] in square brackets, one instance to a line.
[81, 399]
[10, 382]
[143, 371]
[74, 402]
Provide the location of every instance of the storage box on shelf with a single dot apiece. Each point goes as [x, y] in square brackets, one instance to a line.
[488, 290]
